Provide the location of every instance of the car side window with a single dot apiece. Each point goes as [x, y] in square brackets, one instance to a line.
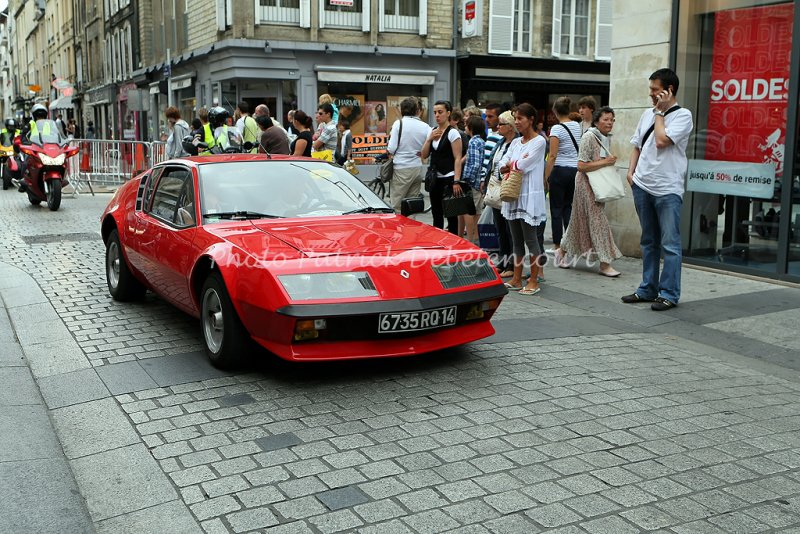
[167, 195]
[148, 192]
[186, 211]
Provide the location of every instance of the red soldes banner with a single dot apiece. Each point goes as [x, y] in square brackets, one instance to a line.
[750, 85]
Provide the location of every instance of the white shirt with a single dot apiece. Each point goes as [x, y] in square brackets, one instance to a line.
[530, 206]
[415, 132]
[661, 171]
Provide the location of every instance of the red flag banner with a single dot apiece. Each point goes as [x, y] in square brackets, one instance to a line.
[750, 84]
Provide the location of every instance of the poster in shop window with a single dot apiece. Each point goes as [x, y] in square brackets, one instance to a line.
[393, 109]
[749, 86]
[351, 107]
[375, 117]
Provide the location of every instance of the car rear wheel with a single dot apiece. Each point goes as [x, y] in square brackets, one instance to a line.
[225, 336]
[122, 285]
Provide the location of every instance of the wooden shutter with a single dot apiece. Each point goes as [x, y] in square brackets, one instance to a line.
[556, 46]
[423, 17]
[305, 13]
[221, 22]
[382, 15]
[366, 12]
[501, 27]
[321, 18]
[602, 45]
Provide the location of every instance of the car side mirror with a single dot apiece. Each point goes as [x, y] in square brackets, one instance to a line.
[410, 206]
[247, 146]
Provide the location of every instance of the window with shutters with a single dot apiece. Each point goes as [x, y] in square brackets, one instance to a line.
[344, 14]
[403, 16]
[278, 11]
[522, 26]
[575, 27]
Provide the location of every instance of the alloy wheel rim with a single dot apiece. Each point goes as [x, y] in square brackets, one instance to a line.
[213, 320]
[112, 265]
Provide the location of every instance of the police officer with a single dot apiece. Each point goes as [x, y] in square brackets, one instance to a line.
[204, 134]
[38, 113]
[8, 133]
[225, 137]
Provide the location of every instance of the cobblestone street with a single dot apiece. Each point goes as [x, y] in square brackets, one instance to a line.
[581, 414]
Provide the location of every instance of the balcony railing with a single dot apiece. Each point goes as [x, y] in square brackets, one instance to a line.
[280, 14]
[344, 14]
[399, 23]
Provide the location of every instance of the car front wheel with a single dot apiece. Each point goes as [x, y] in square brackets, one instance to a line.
[225, 336]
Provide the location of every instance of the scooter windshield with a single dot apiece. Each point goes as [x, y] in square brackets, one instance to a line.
[47, 133]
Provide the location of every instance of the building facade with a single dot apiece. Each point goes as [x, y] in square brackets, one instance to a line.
[739, 68]
[526, 51]
[285, 53]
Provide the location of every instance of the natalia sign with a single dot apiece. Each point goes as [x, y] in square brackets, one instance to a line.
[750, 86]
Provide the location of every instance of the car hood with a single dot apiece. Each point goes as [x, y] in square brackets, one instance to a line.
[363, 234]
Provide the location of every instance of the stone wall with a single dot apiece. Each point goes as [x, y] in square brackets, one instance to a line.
[640, 46]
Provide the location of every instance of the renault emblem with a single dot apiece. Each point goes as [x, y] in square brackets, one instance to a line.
[404, 274]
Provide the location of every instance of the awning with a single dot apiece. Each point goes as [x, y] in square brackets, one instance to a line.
[65, 102]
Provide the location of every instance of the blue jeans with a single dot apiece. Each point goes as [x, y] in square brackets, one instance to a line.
[660, 218]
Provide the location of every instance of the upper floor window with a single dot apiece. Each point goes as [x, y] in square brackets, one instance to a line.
[406, 16]
[291, 12]
[345, 14]
[522, 26]
[571, 28]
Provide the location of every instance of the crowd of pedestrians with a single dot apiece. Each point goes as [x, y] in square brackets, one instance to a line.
[473, 151]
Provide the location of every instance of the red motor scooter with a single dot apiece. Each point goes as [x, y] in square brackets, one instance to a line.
[46, 164]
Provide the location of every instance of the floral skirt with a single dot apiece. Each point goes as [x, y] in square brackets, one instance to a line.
[588, 231]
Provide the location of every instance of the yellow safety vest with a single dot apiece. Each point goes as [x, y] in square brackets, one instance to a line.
[208, 138]
[251, 131]
[222, 140]
[5, 133]
[35, 129]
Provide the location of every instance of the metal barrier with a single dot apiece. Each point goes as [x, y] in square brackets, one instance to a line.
[110, 162]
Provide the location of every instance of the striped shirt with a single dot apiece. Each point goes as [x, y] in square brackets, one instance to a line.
[491, 141]
[567, 153]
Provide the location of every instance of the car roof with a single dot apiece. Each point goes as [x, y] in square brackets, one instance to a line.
[224, 158]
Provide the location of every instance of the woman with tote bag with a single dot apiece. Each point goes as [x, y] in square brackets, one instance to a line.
[589, 231]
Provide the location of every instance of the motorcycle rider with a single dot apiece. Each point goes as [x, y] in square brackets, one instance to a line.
[38, 112]
[225, 137]
[8, 133]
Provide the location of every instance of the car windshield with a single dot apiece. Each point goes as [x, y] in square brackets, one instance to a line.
[269, 188]
[48, 133]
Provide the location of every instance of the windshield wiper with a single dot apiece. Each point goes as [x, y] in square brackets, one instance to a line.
[369, 209]
[242, 215]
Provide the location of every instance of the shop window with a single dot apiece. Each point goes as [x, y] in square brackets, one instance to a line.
[743, 197]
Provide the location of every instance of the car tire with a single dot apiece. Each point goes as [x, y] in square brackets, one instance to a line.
[122, 285]
[225, 336]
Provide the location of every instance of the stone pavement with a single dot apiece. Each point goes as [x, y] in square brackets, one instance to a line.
[580, 415]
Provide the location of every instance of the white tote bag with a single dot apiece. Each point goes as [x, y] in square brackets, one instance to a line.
[492, 198]
[605, 182]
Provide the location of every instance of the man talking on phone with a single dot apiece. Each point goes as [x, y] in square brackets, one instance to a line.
[656, 176]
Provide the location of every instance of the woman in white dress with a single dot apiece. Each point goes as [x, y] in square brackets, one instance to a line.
[525, 214]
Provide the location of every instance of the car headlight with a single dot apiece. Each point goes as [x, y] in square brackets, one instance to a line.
[58, 160]
[464, 273]
[328, 285]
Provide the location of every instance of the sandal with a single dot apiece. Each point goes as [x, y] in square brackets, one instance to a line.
[611, 273]
[529, 291]
[512, 288]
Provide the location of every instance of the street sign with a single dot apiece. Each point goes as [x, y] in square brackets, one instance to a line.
[167, 70]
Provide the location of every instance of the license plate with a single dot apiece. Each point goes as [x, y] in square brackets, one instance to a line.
[418, 320]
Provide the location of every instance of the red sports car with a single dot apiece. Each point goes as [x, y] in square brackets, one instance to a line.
[296, 254]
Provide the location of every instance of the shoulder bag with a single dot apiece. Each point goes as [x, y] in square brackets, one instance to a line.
[387, 167]
[493, 180]
[653, 126]
[605, 182]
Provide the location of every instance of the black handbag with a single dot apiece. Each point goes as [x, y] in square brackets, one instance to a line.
[412, 205]
[463, 205]
[430, 178]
